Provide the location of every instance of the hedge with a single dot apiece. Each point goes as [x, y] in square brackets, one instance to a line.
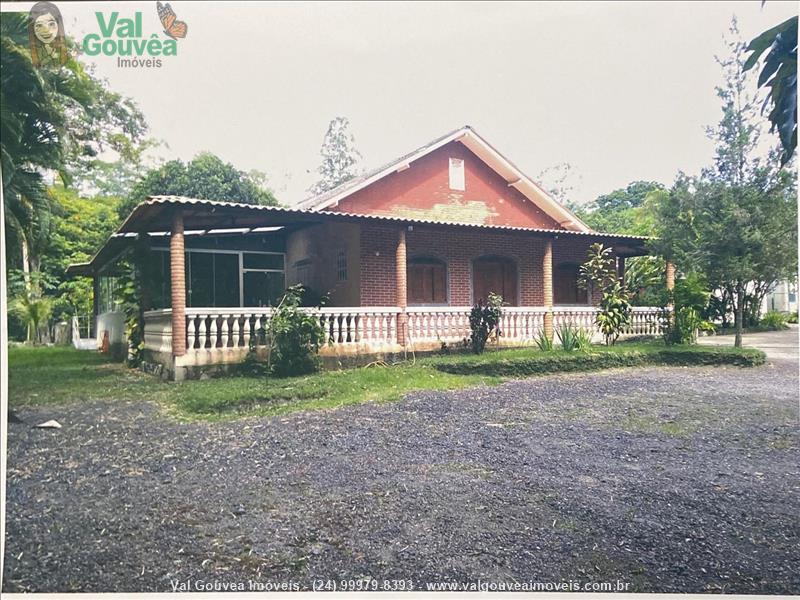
[540, 363]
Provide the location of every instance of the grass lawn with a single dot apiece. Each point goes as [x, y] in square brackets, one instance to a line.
[58, 374]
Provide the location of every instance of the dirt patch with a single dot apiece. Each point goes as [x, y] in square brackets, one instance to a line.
[669, 479]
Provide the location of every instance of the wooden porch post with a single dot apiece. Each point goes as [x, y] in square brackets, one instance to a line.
[547, 286]
[400, 278]
[621, 269]
[178, 280]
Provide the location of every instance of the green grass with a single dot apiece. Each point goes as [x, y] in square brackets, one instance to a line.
[51, 375]
[55, 375]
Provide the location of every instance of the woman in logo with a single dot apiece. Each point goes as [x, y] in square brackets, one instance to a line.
[46, 35]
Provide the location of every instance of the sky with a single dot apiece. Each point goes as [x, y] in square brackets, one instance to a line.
[621, 91]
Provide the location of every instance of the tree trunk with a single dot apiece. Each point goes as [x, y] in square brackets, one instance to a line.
[739, 313]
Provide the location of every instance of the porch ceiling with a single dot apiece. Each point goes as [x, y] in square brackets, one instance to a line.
[154, 217]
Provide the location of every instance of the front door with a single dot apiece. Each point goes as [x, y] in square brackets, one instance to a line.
[498, 275]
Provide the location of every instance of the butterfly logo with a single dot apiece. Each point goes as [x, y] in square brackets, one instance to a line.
[172, 27]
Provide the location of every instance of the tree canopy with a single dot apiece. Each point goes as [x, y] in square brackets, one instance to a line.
[206, 177]
[622, 211]
[736, 223]
[340, 158]
[54, 121]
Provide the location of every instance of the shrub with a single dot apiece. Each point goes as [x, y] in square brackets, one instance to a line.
[544, 343]
[599, 271]
[484, 321]
[293, 337]
[792, 317]
[614, 314]
[542, 364]
[774, 321]
[573, 338]
[684, 327]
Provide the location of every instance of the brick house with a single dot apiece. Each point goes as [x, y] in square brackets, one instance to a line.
[402, 253]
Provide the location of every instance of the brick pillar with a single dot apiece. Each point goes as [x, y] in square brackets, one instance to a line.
[547, 286]
[177, 270]
[402, 287]
[670, 276]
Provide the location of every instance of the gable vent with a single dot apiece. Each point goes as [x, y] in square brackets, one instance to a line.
[457, 174]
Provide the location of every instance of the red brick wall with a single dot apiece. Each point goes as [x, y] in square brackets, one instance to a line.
[573, 250]
[457, 249]
[423, 191]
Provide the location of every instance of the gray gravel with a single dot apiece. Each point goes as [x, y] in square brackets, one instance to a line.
[668, 479]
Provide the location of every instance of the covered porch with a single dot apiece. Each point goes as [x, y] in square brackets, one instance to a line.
[395, 285]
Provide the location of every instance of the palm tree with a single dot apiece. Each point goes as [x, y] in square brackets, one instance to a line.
[33, 310]
[31, 126]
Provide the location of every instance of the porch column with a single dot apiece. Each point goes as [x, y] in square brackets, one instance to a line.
[95, 304]
[178, 280]
[547, 286]
[621, 269]
[402, 287]
[670, 272]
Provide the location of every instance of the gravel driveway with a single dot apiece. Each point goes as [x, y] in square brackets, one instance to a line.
[667, 479]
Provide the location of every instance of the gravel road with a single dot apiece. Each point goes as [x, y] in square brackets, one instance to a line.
[666, 479]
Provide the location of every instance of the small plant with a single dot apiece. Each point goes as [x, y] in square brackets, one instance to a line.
[544, 343]
[684, 327]
[573, 338]
[34, 311]
[792, 317]
[599, 272]
[774, 321]
[485, 321]
[294, 337]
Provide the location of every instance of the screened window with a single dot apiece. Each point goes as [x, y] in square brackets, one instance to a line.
[302, 272]
[341, 266]
[213, 279]
[427, 281]
[262, 288]
[222, 279]
[263, 281]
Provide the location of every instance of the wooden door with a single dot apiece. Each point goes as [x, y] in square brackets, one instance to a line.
[498, 275]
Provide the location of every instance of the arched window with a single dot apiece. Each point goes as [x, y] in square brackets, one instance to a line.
[494, 274]
[427, 281]
[565, 285]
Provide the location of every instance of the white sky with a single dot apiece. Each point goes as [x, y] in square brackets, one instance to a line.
[622, 91]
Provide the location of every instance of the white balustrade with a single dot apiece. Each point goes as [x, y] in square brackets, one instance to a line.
[214, 330]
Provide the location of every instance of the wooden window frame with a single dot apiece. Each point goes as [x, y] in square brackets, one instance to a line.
[431, 261]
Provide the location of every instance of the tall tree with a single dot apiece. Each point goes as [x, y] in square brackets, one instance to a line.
[737, 223]
[622, 211]
[53, 120]
[560, 181]
[340, 158]
[206, 177]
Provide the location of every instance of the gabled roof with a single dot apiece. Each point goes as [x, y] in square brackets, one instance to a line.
[483, 150]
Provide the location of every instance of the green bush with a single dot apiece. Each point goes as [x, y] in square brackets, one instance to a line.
[573, 338]
[484, 321]
[544, 343]
[684, 327]
[599, 272]
[294, 337]
[791, 318]
[774, 321]
[537, 363]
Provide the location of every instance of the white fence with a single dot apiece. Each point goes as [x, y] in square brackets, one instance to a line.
[370, 328]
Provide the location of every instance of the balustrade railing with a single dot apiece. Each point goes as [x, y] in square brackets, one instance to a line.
[212, 329]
